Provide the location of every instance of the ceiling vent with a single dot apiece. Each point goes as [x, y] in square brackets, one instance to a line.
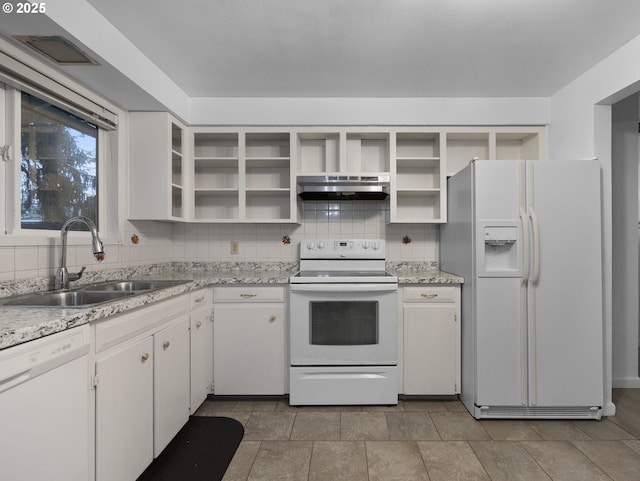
[56, 48]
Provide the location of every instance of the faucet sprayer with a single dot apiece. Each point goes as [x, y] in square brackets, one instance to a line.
[63, 277]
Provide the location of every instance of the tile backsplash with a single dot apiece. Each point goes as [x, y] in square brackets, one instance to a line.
[160, 242]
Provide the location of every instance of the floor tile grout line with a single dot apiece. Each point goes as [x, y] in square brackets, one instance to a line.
[524, 448]
[253, 462]
[586, 455]
[484, 468]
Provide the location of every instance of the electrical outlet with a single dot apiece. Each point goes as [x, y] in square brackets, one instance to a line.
[235, 246]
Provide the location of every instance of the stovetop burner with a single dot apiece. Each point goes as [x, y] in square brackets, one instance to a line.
[342, 261]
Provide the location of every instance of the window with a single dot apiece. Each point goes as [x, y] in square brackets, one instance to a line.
[59, 165]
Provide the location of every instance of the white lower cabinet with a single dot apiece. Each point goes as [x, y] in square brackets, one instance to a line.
[171, 389]
[141, 386]
[431, 340]
[201, 332]
[124, 417]
[249, 340]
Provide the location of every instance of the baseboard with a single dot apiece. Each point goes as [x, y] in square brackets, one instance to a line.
[609, 409]
[626, 382]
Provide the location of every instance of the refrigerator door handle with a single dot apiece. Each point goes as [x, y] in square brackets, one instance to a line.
[535, 225]
[536, 244]
[524, 221]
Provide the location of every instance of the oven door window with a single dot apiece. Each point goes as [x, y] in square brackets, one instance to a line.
[344, 323]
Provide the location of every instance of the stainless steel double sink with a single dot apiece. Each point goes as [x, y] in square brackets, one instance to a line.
[90, 294]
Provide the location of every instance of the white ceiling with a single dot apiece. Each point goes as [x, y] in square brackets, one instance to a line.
[374, 48]
[352, 48]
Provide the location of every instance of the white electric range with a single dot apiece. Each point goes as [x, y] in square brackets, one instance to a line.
[343, 325]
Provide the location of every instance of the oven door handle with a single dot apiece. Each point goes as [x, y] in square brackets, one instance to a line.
[321, 288]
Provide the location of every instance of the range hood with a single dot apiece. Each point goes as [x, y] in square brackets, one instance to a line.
[343, 187]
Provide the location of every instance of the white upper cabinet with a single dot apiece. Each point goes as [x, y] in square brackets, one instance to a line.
[418, 182]
[242, 176]
[463, 144]
[248, 174]
[343, 151]
[156, 167]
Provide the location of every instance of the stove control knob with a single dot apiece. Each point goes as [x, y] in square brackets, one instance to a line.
[365, 245]
[310, 245]
[321, 245]
[375, 246]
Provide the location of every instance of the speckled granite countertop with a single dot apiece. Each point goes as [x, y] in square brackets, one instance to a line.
[421, 273]
[22, 324]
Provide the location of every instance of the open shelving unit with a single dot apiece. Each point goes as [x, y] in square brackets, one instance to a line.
[248, 174]
[157, 168]
[216, 175]
[242, 176]
[418, 190]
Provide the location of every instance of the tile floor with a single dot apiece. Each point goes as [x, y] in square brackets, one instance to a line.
[427, 440]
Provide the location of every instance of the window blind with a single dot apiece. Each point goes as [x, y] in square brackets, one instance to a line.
[21, 76]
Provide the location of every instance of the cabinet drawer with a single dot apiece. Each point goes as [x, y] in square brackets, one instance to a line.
[118, 328]
[198, 299]
[430, 294]
[248, 294]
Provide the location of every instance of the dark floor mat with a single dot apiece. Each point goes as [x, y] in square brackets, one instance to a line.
[201, 451]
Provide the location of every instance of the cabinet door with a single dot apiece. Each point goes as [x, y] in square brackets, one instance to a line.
[430, 349]
[171, 382]
[248, 348]
[157, 175]
[124, 414]
[201, 355]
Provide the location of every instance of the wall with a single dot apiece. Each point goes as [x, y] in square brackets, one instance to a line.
[370, 111]
[581, 127]
[624, 154]
[347, 219]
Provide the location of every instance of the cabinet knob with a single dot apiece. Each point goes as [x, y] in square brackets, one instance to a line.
[200, 299]
[145, 357]
[253, 294]
[429, 295]
[165, 345]
[272, 318]
[198, 324]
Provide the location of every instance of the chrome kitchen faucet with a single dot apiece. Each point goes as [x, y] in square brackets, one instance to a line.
[62, 276]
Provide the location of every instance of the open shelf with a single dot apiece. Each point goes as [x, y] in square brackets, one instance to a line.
[269, 145]
[425, 145]
[418, 206]
[318, 152]
[517, 146]
[268, 174]
[216, 204]
[218, 173]
[463, 147]
[367, 152]
[176, 168]
[215, 144]
[269, 205]
[417, 173]
[176, 138]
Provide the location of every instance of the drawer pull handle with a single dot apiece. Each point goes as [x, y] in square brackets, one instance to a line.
[198, 324]
[272, 318]
[249, 295]
[199, 299]
[165, 345]
[145, 357]
[429, 295]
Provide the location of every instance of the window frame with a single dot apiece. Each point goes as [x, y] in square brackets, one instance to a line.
[61, 117]
[10, 214]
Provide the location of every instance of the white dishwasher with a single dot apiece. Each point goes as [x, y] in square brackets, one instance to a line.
[44, 408]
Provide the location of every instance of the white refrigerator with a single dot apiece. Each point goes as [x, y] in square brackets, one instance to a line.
[526, 237]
